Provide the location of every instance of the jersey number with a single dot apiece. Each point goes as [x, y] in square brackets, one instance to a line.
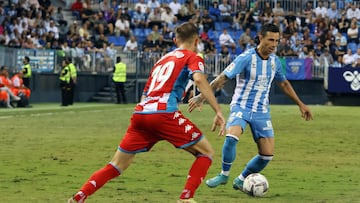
[160, 75]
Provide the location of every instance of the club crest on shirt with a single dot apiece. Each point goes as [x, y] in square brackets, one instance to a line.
[272, 65]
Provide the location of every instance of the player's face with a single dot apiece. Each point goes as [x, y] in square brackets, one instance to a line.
[270, 41]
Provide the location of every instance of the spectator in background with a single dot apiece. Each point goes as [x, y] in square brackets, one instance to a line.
[100, 41]
[278, 12]
[122, 27]
[225, 39]
[138, 19]
[143, 6]
[152, 4]
[186, 11]
[267, 15]
[296, 47]
[353, 12]
[337, 50]
[66, 49]
[58, 17]
[149, 44]
[238, 20]
[326, 60]
[162, 46]
[87, 12]
[155, 34]
[321, 10]
[225, 11]
[357, 55]
[102, 26]
[343, 24]
[353, 32]
[175, 6]
[348, 58]
[155, 18]
[84, 31]
[53, 28]
[168, 35]
[245, 38]
[167, 16]
[338, 62]
[131, 45]
[77, 8]
[215, 11]
[333, 12]
[104, 6]
[342, 38]
[284, 48]
[207, 20]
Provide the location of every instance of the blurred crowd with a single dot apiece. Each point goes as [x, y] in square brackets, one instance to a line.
[328, 34]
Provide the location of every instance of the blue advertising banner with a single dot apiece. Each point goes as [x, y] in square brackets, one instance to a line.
[344, 80]
[40, 60]
[298, 69]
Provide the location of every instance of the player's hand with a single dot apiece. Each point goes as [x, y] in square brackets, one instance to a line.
[219, 121]
[306, 113]
[195, 102]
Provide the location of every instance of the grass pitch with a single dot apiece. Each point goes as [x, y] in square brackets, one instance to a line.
[47, 152]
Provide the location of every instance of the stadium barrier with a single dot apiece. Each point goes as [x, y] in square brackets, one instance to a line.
[138, 63]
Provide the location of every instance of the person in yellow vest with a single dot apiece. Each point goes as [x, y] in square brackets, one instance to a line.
[119, 79]
[26, 71]
[65, 84]
[73, 79]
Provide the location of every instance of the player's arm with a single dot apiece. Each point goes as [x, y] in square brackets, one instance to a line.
[287, 88]
[207, 92]
[217, 84]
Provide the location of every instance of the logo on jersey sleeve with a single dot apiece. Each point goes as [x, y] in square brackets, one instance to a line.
[201, 66]
[230, 67]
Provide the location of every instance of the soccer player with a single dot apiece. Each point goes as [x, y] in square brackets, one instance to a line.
[157, 117]
[254, 71]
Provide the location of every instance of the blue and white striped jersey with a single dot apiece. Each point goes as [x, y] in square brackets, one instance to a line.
[253, 79]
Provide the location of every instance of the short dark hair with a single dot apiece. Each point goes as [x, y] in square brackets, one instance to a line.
[27, 58]
[118, 59]
[269, 27]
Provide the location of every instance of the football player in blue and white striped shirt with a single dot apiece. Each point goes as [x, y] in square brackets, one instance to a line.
[254, 71]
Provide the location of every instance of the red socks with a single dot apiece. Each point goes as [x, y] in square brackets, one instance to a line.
[98, 179]
[196, 175]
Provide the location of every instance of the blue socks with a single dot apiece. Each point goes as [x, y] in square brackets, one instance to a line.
[228, 153]
[256, 164]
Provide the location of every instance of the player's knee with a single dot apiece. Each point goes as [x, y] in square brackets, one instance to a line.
[209, 153]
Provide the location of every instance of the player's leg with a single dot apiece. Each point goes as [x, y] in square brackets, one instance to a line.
[192, 140]
[263, 135]
[203, 153]
[118, 164]
[135, 140]
[235, 126]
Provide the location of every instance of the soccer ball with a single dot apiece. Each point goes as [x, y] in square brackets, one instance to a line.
[256, 185]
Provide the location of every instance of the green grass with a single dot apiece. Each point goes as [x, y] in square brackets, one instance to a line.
[47, 152]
